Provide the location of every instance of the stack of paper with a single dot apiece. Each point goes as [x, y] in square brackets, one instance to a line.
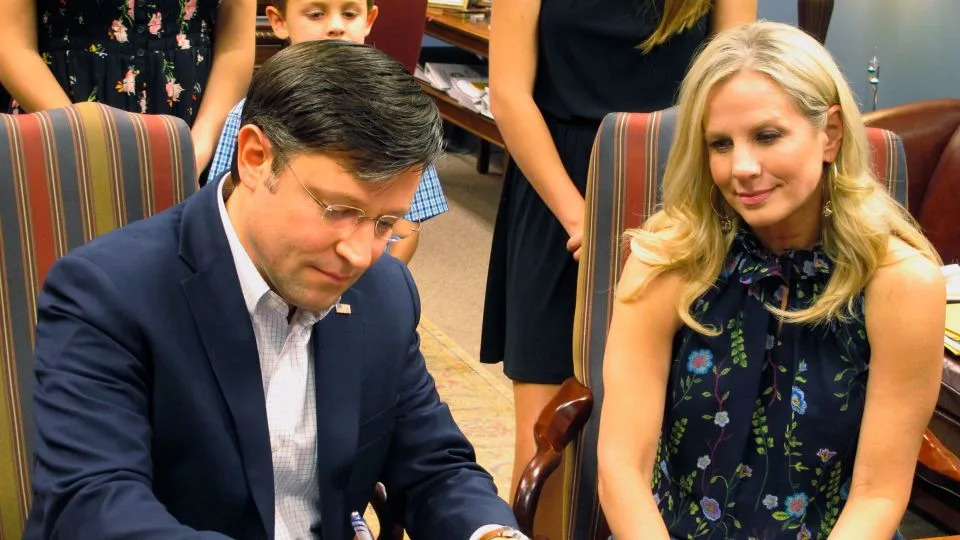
[440, 75]
[469, 92]
[468, 85]
[951, 334]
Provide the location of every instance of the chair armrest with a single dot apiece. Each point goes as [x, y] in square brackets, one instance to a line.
[558, 424]
[936, 485]
[389, 529]
[938, 458]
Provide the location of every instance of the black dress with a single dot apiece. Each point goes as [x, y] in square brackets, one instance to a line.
[588, 65]
[149, 56]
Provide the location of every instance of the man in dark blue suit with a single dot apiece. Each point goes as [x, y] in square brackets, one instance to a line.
[246, 364]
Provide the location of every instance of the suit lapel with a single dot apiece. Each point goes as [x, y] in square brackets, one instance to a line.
[214, 296]
[338, 352]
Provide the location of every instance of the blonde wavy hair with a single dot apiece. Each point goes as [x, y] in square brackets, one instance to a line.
[685, 236]
[677, 16]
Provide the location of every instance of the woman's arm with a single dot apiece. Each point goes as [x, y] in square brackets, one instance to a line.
[636, 367]
[905, 311]
[22, 72]
[731, 14]
[230, 73]
[513, 67]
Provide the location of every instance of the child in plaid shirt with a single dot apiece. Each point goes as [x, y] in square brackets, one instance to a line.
[350, 20]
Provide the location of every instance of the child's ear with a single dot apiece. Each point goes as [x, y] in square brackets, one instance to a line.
[277, 22]
[371, 16]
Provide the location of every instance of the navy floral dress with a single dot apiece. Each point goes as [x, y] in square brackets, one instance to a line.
[761, 422]
[149, 56]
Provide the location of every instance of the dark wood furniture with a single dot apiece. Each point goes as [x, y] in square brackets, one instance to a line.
[930, 131]
[813, 17]
[267, 43]
[474, 37]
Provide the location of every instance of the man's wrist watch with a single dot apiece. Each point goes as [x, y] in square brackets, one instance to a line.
[502, 532]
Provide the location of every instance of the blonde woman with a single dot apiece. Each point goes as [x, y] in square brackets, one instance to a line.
[556, 68]
[753, 304]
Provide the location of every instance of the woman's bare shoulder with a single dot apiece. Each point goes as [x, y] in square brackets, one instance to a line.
[908, 273]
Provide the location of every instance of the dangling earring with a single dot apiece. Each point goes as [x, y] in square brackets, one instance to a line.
[831, 177]
[726, 224]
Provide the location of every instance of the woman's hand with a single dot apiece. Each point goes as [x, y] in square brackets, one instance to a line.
[575, 242]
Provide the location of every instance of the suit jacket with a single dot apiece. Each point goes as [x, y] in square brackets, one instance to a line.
[149, 404]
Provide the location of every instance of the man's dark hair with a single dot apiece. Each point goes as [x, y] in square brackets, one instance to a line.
[344, 100]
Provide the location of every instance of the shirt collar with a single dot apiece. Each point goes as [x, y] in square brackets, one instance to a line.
[252, 284]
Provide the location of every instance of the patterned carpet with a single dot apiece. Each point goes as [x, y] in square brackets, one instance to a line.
[481, 404]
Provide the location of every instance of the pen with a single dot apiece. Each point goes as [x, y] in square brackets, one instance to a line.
[360, 527]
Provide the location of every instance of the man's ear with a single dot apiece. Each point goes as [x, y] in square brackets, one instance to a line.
[834, 131]
[371, 16]
[254, 156]
[277, 22]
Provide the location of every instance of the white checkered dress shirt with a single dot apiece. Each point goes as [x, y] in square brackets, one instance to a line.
[286, 364]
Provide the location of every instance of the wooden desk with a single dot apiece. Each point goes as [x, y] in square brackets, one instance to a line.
[460, 32]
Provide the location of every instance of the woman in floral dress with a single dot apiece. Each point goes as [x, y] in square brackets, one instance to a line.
[775, 349]
[187, 58]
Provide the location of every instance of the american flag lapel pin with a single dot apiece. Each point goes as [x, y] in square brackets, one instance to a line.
[343, 309]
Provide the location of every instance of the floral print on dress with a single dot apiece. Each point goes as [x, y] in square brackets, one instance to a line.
[761, 422]
[150, 56]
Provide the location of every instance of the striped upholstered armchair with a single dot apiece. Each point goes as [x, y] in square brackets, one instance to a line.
[626, 168]
[66, 176]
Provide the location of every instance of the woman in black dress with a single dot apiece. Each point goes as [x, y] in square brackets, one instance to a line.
[556, 68]
[146, 56]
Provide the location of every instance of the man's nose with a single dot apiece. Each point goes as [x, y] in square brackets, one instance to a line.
[357, 245]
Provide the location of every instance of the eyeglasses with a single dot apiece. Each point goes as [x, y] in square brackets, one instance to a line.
[341, 216]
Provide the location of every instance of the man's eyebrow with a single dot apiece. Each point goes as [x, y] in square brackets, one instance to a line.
[350, 200]
[397, 212]
[335, 197]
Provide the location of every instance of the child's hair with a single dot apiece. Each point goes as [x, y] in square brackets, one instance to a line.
[281, 5]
